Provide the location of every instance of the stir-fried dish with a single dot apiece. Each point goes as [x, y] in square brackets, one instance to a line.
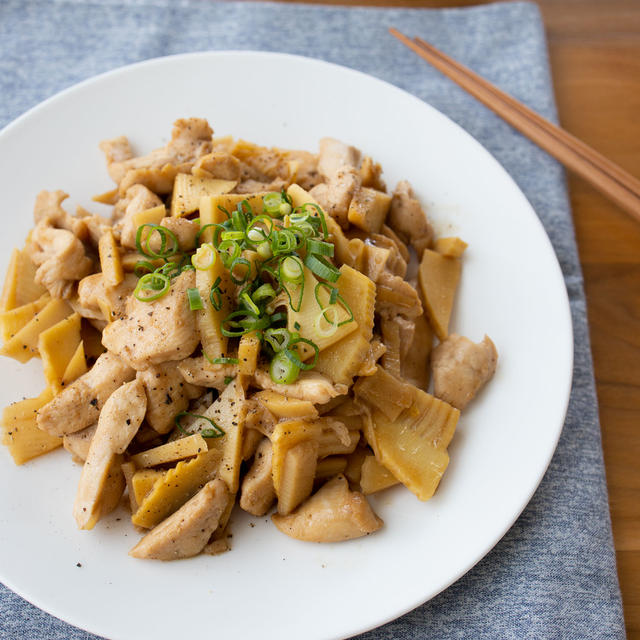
[240, 330]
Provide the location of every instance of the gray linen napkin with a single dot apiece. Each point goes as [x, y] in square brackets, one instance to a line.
[553, 575]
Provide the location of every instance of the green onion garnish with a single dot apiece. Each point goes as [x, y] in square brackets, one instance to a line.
[225, 361]
[214, 432]
[293, 355]
[215, 295]
[195, 301]
[322, 268]
[228, 379]
[165, 234]
[319, 247]
[291, 270]
[157, 284]
[277, 339]
[245, 298]
[282, 370]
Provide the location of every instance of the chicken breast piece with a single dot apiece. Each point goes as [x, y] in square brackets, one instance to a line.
[119, 420]
[461, 368]
[92, 291]
[310, 385]
[334, 196]
[333, 155]
[257, 492]
[60, 258]
[78, 443]
[48, 206]
[138, 198]
[167, 394]
[190, 139]
[200, 371]
[79, 405]
[158, 331]
[186, 532]
[408, 220]
[332, 514]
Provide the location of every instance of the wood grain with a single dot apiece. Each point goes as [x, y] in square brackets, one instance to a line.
[594, 49]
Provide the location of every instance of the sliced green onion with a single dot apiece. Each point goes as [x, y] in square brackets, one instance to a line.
[202, 230]
[293, 355]
[143, 264]
[165, 234]
[278, 317]
[195, 301]
[296, 325]
[284, 209]
[232, 235]
[205, 257]
[255, 233]
[319, 214]
[157, 283]
[291, 270]
[225, 361]
[271, 203]
[334, 298]
[263, 292]
[243, 262]
[215, 295]
[249, 303]
[228, 379]
[329, 327]
[234, 324]
[282, 370]
[319, 247]
[214, 432]
[278, 339]
[322, 267]
[226, 257]
[264, 250]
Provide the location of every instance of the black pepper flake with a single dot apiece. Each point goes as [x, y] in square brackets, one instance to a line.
[169, 399]
[128, 420]
[94, 402]
[78, 564]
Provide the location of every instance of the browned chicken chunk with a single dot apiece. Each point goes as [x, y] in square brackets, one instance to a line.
[332, 514]
[335, 195]
[310, 385]
[186, 532]
[158, 331]
[79, 405]
[258, 493]
[60, 258]
[334, 155]
[119, 420]
[461, 368]
[408, 220]
[190, 139]
[167, 394]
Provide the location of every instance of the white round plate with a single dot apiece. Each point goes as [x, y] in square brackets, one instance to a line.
[512, 289]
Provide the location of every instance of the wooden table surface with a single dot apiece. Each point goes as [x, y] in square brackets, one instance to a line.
[595, 60]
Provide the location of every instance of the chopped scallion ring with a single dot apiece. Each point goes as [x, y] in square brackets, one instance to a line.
[225, 361]
[205, 257]
[282, 370]
[195, 301]
[322, 268]
[157, 284]
[293, 355]
[245, 298]
[165, 234]
[291, 270]
[214, 432]
[325, 327]
[245, 270]
[320, 247]
[263, 292]
[215, 295]
[277, 339]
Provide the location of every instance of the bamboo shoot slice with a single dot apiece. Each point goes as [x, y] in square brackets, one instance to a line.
[439, 276]
[57, 346]
[189, 189]
[110, 261]
[15, 319]
[296, 480]
[414, 446]
[24, 345]
[375, 476]
[171, 451]
[20, 432]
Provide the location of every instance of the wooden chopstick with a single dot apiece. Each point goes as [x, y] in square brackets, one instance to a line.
[604, 175]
